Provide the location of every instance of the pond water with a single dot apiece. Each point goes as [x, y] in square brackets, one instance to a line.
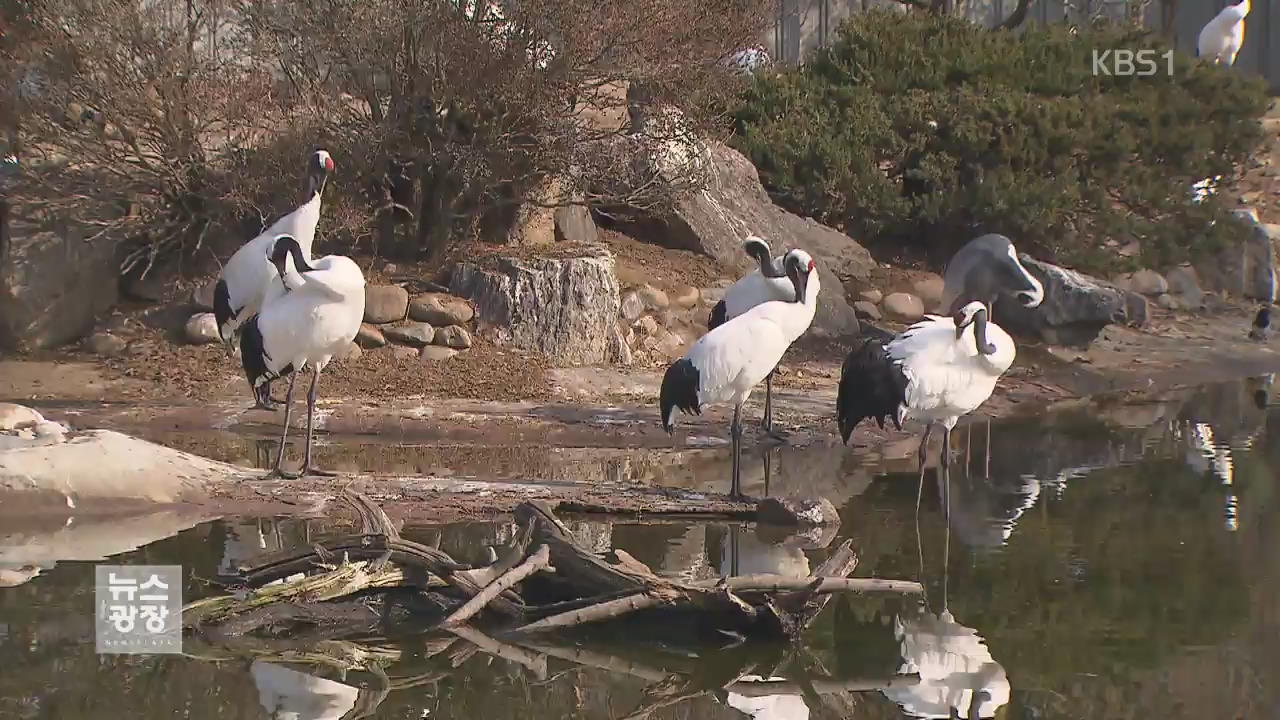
[1115, 561]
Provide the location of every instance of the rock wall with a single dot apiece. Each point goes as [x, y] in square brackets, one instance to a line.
[53, 280]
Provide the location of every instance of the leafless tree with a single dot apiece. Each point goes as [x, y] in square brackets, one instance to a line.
[167, 122]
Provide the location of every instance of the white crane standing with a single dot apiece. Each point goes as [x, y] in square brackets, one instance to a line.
[728, 362]
[767, 283]
[1221, 38]
[936, 371]
[315, 315]
[245, 279]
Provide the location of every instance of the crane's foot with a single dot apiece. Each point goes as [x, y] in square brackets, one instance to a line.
[281, 474]
[317, 472]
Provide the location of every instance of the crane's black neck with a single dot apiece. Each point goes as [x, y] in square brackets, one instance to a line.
[287, 245]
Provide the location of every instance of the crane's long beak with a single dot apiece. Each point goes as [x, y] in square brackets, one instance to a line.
[801, 282]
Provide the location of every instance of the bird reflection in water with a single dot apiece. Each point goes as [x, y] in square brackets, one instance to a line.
[746, 553]
[958, 676]
[287, 694]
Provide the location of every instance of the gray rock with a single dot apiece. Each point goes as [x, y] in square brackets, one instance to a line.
[565, 309]
[929, 290]
[454, 336]
[670, 344]
[1076, 306]
[201, 329]
[903, 306]
[370, 337]
[574, 224]
[647, 325]
[619, 347]
[53, 283]
[202, 296]
[1167, 301]
[1137, 310]
[441, 310]
[867, 310]
[686, 297]
[797, 511]
[1246, 266]
[1184, 284]
[653, 298]
[385, 303]
[405, 352]
[632, 307]
[105, 344]
[413, 334]
[1148, 282]
[871, 295]
[699, 222]
[351, 353]
[436, 353]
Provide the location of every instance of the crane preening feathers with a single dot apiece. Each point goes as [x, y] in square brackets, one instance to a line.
[728, 362]
[936, 371]
[1222, 37]
[248, 275]
[940, 368]
[766, 283]
[310, 316]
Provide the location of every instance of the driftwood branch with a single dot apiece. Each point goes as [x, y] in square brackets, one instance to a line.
[542, 580]
[540, 560]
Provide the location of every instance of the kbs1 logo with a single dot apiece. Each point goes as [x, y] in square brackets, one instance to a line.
[1122, 62]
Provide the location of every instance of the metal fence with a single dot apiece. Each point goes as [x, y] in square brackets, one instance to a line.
[805, 25]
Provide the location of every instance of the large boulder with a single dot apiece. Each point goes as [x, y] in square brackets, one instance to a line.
[54, 281]
[565, 309]
[1246, 266]
[1075, 309]
[734, 204]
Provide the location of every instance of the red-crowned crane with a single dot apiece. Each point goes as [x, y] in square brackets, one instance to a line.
[936, 371]
[314, 316]
[728, 362]
[244, 281]
[766, 283]
[1221, 38]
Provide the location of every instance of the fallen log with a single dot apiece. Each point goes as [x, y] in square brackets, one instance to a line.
[542, 580]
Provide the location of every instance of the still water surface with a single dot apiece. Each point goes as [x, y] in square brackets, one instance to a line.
[1119, 561]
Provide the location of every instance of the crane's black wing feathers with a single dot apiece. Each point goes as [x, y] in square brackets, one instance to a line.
[872, 385]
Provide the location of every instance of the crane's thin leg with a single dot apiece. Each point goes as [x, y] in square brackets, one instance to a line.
[946, 509]
[987, 467]
[767, 467]
[778, 435]
[968, 449]
[735, 431]
[768, 402]
[288, 408]
[924, 446]
[307, 469]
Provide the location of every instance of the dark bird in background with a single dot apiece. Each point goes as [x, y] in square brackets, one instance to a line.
[1261, 324]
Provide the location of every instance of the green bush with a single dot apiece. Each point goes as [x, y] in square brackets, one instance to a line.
[1028, 141]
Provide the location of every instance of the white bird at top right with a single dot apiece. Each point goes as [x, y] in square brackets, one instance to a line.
[1221, 38]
